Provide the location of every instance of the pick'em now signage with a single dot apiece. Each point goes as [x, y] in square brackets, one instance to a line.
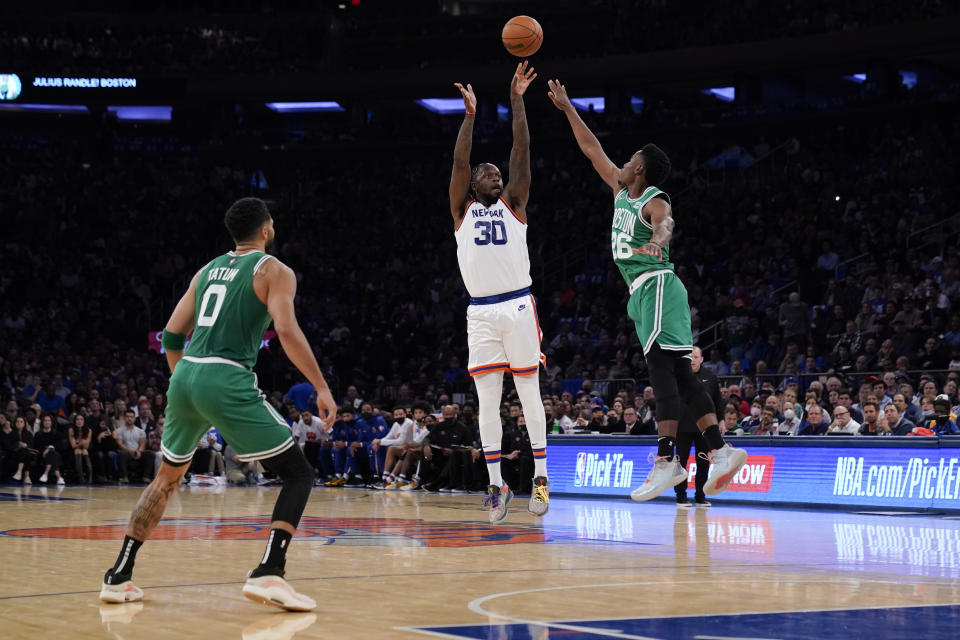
[845, 474]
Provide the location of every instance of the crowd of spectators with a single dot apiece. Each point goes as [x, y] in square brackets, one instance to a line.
[827, 265]
[246, 39]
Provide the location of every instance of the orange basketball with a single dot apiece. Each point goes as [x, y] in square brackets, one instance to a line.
[522, 36]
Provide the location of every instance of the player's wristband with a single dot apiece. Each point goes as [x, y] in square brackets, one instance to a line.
[471, 113]
[172, 341]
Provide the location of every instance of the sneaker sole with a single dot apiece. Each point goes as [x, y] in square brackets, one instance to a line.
[714, 486]
[257, 594]
[683, 505]
[119, 597]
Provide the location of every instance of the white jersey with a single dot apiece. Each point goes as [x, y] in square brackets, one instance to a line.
[492, 250]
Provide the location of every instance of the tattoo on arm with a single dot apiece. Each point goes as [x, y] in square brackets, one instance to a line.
[150, 508]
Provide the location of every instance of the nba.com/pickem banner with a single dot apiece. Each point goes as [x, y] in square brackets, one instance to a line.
[903, 472]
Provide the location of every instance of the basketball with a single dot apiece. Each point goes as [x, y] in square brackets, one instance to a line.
[522, 36]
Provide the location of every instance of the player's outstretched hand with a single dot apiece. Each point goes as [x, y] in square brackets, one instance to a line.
[558, 95]
[326, 406]
[522, 78]
[469, 99]
[651, 249]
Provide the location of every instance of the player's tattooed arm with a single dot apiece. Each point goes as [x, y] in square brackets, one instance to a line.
[661, 217]
[460, 176]
[150, 508]
[587, 142]
[517, 191]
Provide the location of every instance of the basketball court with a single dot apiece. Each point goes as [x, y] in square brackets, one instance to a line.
[409, 565]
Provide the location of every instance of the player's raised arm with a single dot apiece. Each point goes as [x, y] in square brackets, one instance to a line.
[517, 191]
[281, 289]
[180, 325]
[460, 176]
[585, 138]
[661, 217]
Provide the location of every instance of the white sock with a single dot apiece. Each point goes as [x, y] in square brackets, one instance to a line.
[528, 388]
[489, 393]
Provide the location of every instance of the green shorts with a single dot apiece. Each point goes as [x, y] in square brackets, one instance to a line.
[658, 307]
[222, 393]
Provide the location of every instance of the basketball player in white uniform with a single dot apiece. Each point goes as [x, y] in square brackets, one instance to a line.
[503, 332]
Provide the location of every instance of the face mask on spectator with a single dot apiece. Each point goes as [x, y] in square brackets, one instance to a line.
[789, 414]
[754, 411]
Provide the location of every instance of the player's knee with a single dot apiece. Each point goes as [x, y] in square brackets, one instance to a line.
[669, 406]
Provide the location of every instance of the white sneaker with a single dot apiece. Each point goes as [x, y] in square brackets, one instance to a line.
[60, 481]
[119, 593]
[664, 475]
[26, 478]
[43, 478]
[725, 462]
[17, 476]
[278, 592]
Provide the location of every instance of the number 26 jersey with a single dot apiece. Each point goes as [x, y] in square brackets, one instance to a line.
[492, 249]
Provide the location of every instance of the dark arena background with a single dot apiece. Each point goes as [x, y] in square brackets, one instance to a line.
[814, 189]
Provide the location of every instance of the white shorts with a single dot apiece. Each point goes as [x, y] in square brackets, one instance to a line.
[504, 336]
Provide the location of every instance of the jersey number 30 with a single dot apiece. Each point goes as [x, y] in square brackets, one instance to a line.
[208, 316]
[491, 232]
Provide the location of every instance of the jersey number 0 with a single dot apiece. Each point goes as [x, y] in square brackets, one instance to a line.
[218, 292]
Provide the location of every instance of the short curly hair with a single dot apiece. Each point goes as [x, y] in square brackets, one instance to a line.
[656, 164]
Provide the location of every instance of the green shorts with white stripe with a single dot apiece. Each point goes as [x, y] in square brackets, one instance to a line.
[222, 393]
[658, 307]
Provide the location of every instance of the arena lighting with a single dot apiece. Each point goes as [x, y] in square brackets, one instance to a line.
[636, 104]
[727, 94]
[442, 106]
[55, 108]
[141, 113]
[859, 78]
[304, 107]
[584, 104]
[908, 78]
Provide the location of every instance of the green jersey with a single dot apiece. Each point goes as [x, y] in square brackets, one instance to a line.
[230, 319]
[631, 231]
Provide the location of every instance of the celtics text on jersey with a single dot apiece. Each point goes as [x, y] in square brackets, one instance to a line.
[630, 231]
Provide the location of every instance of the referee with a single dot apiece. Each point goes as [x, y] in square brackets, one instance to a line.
[688, 434]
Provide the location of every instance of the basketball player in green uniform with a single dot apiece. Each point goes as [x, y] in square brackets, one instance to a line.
[642, 227]
[228, 306]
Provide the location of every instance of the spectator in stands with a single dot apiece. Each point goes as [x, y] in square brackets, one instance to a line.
[80, 436]
[352, 398]
[375, 426]
[438, 447]
[238, 471]
[517, 457]
[302, 395]
[768, 425]
[309, 434]
[843, 422]
[17, 446]
[896, 424]
[45, 442]
[941, 422]
[731, 420]
[340, 435]
[794, 318]
[871, 420]
[209, 455]
[103, 450]
[50, 401]
[390, 448]
[131, 444]
[791, 423]
[815, 424]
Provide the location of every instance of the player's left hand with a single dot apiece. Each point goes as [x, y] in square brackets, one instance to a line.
[326, 407]
[651, 249]
[522, 78]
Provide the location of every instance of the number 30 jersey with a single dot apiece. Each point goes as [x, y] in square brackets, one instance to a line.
[229, 319]
[492, 250]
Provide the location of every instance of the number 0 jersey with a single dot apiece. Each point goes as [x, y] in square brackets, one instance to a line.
[631, 231]
[492, 249]
[229, 319]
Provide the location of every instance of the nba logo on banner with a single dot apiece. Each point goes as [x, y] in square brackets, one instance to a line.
[580, 474]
